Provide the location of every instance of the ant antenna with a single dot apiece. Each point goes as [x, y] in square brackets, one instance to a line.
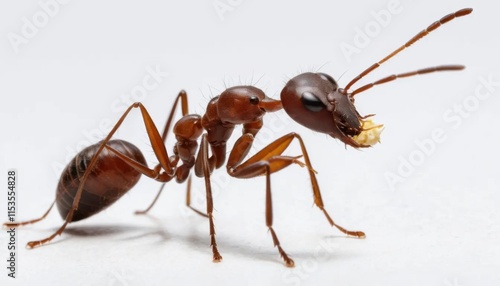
[408, 74]
[417, 37]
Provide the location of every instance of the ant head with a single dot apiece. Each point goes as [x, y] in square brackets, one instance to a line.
[315, 101]
[243, 104]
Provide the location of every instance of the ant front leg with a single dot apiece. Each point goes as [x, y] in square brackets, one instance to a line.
[268, 161]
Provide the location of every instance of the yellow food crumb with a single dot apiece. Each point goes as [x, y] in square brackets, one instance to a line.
[370, 135]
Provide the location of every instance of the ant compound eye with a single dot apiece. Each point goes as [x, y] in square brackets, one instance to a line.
[254, 100]
[326, 77]
[311, 102]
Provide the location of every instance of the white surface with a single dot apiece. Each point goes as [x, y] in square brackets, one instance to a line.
[439, 226]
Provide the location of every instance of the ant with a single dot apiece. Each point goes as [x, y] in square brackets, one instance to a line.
[101, 173]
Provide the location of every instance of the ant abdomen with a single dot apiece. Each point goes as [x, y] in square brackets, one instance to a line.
[109, 179]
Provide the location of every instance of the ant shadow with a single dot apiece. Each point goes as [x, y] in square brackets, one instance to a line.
[113, 232]
[267, 252]
[200, 243]
[97, 230]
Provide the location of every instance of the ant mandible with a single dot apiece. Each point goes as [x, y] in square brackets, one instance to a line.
[100, 174]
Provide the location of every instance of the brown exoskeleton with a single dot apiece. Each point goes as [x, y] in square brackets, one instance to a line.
[103, 172]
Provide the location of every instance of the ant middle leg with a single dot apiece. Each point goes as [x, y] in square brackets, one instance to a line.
[188, 199]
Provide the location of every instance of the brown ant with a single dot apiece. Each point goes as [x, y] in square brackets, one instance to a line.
[100, 174]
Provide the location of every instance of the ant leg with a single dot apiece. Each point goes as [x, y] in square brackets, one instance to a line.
[17, 224]
[265, 168]
[188, 199]
[265, 162]
[184, 106]
[154, 201]
[203, 163]
[271, 155]
[158, 148]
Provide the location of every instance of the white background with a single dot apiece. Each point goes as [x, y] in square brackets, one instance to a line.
[438, 225]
